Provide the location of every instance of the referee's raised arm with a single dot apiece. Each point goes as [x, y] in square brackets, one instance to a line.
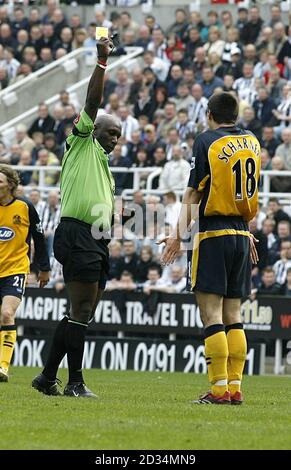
[81, 239]
[96, 84]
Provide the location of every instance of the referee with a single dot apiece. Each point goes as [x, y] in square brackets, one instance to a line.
[80, 244]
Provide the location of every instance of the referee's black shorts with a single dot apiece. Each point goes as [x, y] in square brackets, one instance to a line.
[223, 266]
[84, 258]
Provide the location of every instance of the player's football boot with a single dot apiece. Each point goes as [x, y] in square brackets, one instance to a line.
[78, 390]
[209, 399]
[48, 387]
[4, 377]
[236, 398]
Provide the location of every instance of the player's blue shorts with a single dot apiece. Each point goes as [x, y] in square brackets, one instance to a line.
[220, 262]
[223, 266]
[12, 285]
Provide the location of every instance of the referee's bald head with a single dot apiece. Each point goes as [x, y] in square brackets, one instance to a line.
[107, 130]
[105, 120]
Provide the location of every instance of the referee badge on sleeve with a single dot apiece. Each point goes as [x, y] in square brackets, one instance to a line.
[76, 120]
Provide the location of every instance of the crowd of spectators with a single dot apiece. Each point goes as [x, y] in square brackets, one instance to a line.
[162, 103]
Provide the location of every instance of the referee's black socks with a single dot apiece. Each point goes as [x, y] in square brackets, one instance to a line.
[75, 340]
[57, 351]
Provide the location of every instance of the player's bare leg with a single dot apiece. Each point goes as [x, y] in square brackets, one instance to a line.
[237, 347]
[82, 297]
[8, 333]
[216, 350]
[210, 306]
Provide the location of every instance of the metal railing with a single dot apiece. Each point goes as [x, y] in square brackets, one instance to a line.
[42, 170]
[152, 173]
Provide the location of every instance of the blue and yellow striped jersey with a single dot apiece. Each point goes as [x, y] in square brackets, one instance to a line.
[226, 168]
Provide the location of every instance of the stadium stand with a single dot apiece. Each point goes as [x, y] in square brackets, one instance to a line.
[161, 101]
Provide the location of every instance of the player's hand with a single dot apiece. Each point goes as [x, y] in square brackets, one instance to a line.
[171, 250]
[254, 253]
[43, 278]
[104, 47]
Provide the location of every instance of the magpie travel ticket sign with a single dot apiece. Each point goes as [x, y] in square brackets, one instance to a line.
[263, 318]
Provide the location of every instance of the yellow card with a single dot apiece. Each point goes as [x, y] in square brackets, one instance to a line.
[101, 32]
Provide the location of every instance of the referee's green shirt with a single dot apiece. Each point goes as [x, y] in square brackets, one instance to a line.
[87, 185]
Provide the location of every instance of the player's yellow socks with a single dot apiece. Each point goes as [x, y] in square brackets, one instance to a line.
[216, 354]
[237, 347]
[8, 339]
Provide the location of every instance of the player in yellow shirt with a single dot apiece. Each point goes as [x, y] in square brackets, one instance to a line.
[18, 222]
[224, 182]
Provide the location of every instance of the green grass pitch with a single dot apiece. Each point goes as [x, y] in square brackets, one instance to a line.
[144, 410]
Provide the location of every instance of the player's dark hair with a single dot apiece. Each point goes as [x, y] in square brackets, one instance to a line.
[12, 177]
[223, 107]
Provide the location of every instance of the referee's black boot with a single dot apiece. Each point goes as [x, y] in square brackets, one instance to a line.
[48, 387]
[78, 390]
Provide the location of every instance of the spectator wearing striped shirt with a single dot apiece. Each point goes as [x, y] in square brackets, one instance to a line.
[283, 111]
[50, 218]
[284, 263]
[245, 83]
[284, 150]
[197, 111]
[36, 200]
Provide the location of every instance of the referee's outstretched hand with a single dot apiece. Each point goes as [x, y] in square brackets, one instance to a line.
[43, 278]
[104, 47]
[171, 250]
